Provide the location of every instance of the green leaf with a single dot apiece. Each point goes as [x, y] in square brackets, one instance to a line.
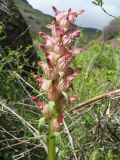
[41, 123]
[98, 2]
[59, 139]
[94, 155]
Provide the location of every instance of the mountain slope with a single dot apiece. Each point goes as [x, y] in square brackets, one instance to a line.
[14, 38]
[34, 18]
[38, 20]
[111, 34]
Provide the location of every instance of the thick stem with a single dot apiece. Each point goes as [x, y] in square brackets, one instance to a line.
[51, 143]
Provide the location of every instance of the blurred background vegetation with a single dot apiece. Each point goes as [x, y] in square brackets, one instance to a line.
[91, 132]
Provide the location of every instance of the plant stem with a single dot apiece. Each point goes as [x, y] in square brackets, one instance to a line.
[51, 143]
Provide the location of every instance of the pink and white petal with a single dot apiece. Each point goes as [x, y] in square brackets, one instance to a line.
[81, 11]
[38, 78]
[63, 62]
[39, 103]
[43, 83]
[75, 34]
[43, 34]
[43, 65]
[73, 98]
[71, 77]
[65, 83]
[77, 69]
[76, 51]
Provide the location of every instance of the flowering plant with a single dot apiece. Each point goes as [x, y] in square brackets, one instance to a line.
[58, 74]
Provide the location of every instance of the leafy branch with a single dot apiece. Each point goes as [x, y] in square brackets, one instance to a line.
[101, 3]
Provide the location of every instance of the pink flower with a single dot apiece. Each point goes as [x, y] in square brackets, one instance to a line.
[68, 38]
[73, 98]
[43, 107]
[43, 83]
[43, 65]
[52, 57]
[49, 87]
[73, 15]
[56, 31]
[63, 62]
[59, 49]
[57, 123]
[60, 117]
[66, 18]
[40, 104]
[76, 51]
[50, 72]
[75, 34]
[65, 83]
[56, 126]
[53, 93]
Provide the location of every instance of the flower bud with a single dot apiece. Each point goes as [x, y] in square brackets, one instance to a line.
[57, 123]
[56, 126]
[73, 98]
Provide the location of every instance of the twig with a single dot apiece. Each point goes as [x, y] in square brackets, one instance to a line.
[107, 12]
[5, 9]
[40, 94]
[93, 100]
[27, 29]
[25, 123]
[70, 139]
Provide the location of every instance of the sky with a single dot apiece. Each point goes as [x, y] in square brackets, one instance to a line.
[92, 17]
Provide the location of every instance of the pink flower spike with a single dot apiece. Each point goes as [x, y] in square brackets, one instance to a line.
[73, 98]
[43, 83]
